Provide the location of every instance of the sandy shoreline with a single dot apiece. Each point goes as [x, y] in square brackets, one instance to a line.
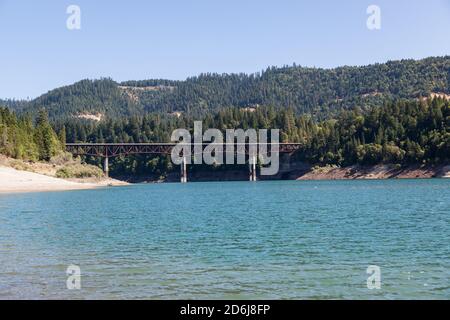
[15, 181]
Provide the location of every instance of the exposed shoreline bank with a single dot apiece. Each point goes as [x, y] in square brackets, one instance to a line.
[306, 172]
[17, 181]
[376, 172]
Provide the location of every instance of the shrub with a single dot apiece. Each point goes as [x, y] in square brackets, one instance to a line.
[62, 158]
[369, 153]
[79, 171]
[393, 154]
[20, 165]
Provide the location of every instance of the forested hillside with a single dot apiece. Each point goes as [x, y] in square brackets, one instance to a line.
[21, 139]
[343, 116]
[318, 91]
[86, 97]
[12, 104]
[404, 132]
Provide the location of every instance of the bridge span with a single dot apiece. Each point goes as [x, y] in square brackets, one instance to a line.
[109, 150]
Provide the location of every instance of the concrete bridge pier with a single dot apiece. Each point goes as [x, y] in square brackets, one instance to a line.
[183, 171]
[285, 162]
[252, 169]
[106, 166]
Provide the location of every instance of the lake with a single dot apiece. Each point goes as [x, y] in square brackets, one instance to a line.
[230, 240]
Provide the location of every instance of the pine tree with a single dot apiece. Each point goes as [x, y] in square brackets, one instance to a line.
[62, 136]
[45, 137]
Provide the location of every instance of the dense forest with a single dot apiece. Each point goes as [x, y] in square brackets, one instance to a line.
[343, 116]
[401, 132]
[321, 92]
[20, 138]
[14, 104]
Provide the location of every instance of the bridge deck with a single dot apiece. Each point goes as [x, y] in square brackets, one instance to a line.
[118, 149]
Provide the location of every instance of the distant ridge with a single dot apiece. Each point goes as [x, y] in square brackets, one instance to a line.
[303, 89]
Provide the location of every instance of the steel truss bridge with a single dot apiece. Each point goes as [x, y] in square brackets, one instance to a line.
[109, 150]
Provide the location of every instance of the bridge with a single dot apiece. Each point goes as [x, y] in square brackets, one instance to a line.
[109, 150]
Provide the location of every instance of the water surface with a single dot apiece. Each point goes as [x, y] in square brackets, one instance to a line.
[233, 240]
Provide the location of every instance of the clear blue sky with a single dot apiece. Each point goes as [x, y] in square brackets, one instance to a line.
[180, 38]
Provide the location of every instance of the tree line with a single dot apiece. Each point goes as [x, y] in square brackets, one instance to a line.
[321, 92]
[23, 138]
[400, 132]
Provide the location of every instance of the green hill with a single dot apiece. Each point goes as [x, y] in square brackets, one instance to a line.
[311, 90]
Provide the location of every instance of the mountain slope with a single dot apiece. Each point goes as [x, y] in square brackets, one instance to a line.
[86, 97]
[303, 89]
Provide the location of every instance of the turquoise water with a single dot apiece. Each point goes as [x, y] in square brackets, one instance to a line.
[234, 240]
